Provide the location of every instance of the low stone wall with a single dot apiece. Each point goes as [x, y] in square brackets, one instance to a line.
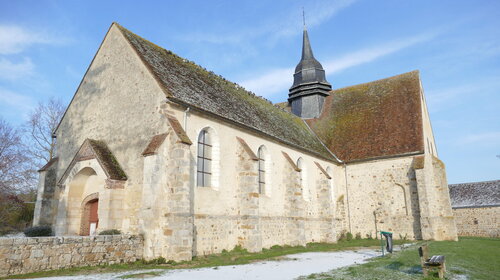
[478, 221]
[31, 254]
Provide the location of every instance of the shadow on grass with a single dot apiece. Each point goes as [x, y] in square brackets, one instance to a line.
[400, 267]
[394, 265]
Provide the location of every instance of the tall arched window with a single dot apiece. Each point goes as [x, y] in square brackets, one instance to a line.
[204, 167]
[262, 169]
[303, 178]
[329, 171]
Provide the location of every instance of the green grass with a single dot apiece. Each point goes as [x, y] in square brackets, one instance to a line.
[470, 258]
[233, 257]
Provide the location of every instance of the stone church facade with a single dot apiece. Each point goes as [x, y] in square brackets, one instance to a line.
[153, 144]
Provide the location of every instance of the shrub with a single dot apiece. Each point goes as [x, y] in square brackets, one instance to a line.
[110, 232]
[239, 249]
[358, 236]
[38, 231]
[160, 260]
[348, 236]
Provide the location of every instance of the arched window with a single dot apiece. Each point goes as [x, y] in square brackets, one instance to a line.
[262, 169]
[329, 171]
[303, 178]
[204, 166]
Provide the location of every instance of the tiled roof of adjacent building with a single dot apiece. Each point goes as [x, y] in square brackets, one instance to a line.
[475, 194]
[376, 119]
[187, 83]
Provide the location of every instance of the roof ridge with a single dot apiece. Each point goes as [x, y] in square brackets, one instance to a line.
[187, 83]
[379, 80]
[469, 183]
[184, 60]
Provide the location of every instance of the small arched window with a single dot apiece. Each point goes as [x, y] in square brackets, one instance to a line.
[204, 166]
[262, 169]
[303, 178]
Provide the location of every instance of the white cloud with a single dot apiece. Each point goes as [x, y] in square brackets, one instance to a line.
[442, 98]
[15, 102]
[277, 80]
[371, 54]
[483, 139]
[322, 12]
[283, 25]
[271, 82]
[15, 39]
[14, 71]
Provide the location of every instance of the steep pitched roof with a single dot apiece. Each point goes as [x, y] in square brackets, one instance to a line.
[48, 164]
[377, 119]
[154, 144]
[475, 194]
[187, 83]
[95, 149]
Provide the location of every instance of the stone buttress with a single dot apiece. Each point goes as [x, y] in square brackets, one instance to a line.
[167, 218]
[294, 204]
[249, 236]
[436, 217]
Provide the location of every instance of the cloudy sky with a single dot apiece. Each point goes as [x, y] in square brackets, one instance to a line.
[46, 46]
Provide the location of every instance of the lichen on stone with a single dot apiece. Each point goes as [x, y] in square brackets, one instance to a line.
[376, 119]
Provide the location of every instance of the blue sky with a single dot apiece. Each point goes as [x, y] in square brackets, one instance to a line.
[46, 46]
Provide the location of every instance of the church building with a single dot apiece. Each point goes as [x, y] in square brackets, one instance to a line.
[156, 145]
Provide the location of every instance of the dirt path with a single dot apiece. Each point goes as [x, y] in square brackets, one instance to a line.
[289, 267]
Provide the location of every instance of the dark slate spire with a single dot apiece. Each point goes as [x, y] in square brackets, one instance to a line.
[309, 87]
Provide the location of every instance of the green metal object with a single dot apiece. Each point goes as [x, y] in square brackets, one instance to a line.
[382, 240]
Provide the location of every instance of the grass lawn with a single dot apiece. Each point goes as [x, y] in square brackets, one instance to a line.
[470, 258]
[234, 257]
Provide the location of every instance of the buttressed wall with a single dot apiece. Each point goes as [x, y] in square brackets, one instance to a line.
[129, 142]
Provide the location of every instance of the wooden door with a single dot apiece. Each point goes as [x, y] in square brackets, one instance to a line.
[93, 217]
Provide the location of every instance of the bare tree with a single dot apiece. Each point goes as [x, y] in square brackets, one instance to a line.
[42, 122]
[17, 180]
[16, 172]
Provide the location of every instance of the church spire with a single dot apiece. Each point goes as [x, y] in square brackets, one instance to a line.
[309, 87]
[307, 52]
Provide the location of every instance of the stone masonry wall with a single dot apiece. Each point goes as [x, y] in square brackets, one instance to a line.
[478, 221]
[436, 217]
[382, 195]
[31, 254]
[249, 235]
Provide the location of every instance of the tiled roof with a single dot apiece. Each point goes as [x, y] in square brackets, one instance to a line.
[377, 119]
[154, 144]
[95, 149]
[107, 160]
[187, 83]
[48, 164]
[475, 194]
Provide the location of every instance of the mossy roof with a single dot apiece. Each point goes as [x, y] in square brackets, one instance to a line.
[376, 119]
[189, 84]
[96, 149]
[475, 194]
[107, 160]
